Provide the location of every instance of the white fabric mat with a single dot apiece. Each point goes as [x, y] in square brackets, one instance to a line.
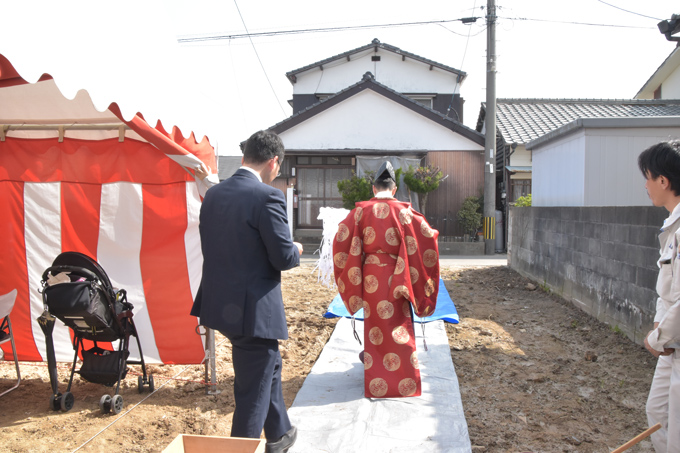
[332, 415]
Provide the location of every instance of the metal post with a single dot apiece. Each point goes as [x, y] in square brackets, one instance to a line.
[490, 140]
[210, 366]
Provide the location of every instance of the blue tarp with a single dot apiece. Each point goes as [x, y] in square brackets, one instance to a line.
[445, 309]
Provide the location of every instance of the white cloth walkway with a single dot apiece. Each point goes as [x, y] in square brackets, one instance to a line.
[332, 415]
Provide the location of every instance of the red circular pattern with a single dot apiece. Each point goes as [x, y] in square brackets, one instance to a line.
[367, 310]
[358, 212]
[354, 275]
[378, 387]
[411, 245]
[392, 237]
[372, 259]
[343, 233]
[368, 360]
[369, 235]
[341, 285]
[405, 216]
[426, 231]
[370, 284]
[430, 258]
[356, 303]
[400, 335]
[414, 274]
[385, 309]
[375, 336]
[391, 361]
[429, 287]
[400, 266]
[355, 249]
[340, 259]
[401, 291]
[407, 387]
[381, 210]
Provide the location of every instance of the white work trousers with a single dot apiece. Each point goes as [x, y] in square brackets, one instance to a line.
[663, 404]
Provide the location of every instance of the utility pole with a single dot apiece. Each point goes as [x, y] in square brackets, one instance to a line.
[490, 139]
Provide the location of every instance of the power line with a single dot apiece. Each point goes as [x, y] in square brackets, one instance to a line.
[258, 58]
[574, 23]
[392, 25]
[318, 30]
[632, 12]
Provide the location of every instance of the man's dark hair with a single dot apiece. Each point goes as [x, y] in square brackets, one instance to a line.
[384, 184]
[262, 146]
[662, 159]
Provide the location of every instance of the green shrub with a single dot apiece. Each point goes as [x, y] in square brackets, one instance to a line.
[423, 180]
[469, 215]
[524, 201]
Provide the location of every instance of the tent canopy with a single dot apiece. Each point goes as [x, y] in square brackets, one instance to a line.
[73, 178]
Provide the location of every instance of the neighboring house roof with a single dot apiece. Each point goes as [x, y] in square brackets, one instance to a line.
[368, 82]
[375, 44]
[670, 64]
[524, 120]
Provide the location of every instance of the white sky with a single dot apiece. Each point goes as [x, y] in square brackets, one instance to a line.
[220, 88]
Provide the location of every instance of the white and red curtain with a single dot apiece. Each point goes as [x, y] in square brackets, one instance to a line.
[128, 205]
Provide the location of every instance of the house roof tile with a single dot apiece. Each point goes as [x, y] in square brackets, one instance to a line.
[523, 120]
[375, 44]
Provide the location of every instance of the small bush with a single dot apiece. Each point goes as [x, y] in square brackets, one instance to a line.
[523, 202]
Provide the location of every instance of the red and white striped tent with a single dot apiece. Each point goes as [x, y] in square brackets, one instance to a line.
[73, 178]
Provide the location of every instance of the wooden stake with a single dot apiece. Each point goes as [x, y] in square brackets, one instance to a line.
[638, 438]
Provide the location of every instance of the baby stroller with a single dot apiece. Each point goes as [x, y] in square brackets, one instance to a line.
[77, 291]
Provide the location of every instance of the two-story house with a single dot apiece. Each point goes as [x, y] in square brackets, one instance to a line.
[376, 102]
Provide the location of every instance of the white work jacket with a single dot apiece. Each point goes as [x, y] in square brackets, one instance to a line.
[667, 334]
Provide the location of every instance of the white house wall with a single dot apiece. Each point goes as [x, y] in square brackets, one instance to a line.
[558, 172]
[670, 89]
[612, 174]
[408, 76]
[369, 121]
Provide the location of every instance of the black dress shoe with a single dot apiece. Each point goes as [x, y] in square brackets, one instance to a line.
[283, 443]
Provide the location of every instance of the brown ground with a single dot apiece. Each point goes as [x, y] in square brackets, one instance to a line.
[536, 375]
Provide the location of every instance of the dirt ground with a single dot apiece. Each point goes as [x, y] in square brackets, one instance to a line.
[536, 375]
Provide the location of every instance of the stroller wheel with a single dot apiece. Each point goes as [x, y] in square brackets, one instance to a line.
[105, 404]
[140, 384]
[66, 401]
[55, 405]
[151, 386]
[117, 404]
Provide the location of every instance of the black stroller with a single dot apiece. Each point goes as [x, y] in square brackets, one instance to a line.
[77, 291]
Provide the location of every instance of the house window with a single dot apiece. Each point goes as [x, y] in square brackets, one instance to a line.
[424, 100]
[519, 188]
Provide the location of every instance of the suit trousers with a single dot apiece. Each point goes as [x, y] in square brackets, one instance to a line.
[257, 388]
[663, 404]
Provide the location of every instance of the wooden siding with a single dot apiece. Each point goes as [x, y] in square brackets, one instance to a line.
[466, 178]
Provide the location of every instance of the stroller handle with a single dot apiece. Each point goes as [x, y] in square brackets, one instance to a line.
[65, 268]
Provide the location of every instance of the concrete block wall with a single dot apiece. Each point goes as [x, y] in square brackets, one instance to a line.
[603, 259]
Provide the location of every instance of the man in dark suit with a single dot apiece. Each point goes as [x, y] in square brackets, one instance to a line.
[246, 244]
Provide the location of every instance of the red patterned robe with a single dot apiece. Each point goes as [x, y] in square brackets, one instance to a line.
[386, 260]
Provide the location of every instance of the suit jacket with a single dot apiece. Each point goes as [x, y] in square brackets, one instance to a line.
[246, 244]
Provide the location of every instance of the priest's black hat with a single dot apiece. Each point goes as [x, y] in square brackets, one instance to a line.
[385, 172]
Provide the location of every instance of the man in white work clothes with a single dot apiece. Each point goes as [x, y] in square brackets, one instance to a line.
[660, 164]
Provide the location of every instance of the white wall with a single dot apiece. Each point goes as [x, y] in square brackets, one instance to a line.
[670, 89]
[521, 157]
[612, 174]
[408, 76]
[558, 172]
[371, 121]
[594, 167]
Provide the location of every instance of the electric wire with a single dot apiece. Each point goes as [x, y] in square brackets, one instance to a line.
[259, 60]
[392, 25]
[631, 12]
[467, 42]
